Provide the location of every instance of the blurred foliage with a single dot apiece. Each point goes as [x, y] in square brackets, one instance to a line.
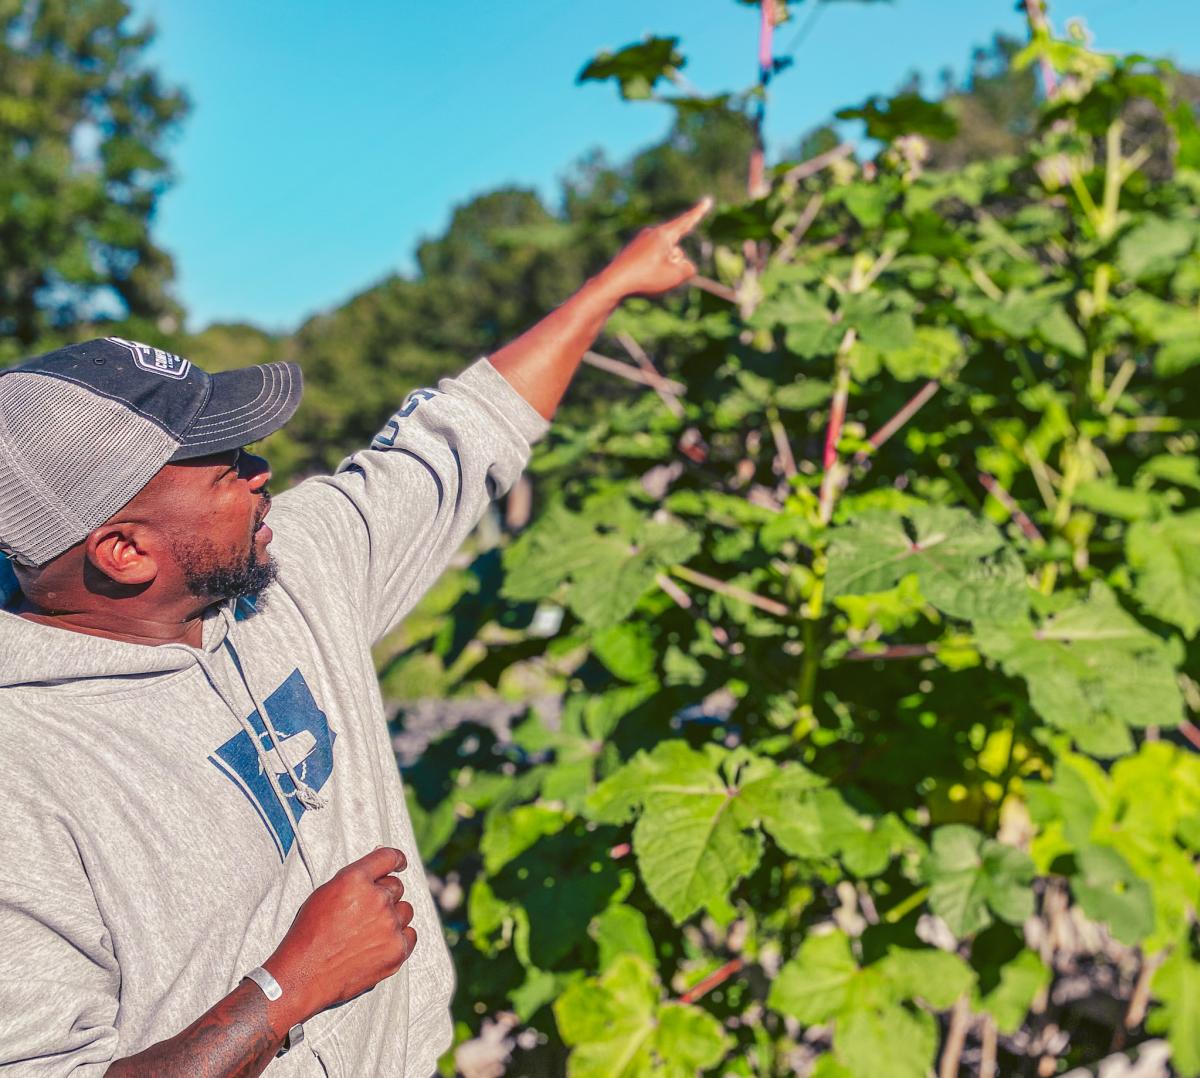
[83, 128]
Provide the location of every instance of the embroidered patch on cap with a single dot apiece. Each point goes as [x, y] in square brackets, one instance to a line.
[155, 360]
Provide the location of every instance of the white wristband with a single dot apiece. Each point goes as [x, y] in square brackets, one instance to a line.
[272, 990]
[266, 982]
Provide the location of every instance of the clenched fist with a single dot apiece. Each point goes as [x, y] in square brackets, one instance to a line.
[351, 933]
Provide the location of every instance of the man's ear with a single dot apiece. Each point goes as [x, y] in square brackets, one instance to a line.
[119, 551]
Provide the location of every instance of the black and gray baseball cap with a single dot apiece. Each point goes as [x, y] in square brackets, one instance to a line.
[84, 428]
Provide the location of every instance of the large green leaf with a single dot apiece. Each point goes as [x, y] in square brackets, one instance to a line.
[1011, 989]
[1154, 247]
[812, 987]
[905, 1038]
[1176, 986]
[1092, 670]
[618, 1026]
[509, 833]
[1166, 556]
[872, 1022]
[938, 977]
[972, 878]
[559, 884]
[637, 68]
[1170, 468]
[607, 554]
[963, 565]
[691, 848]
[815, 822]
[1126, 838]
[627, 649]
[907, 113]
[1109, 890]
[621, 930]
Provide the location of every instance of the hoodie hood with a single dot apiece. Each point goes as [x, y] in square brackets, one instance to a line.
[38, 656]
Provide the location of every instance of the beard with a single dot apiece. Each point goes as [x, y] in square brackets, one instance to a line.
[210, 573]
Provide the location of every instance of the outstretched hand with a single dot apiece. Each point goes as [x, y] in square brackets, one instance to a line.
[654, 262]
[540, 362]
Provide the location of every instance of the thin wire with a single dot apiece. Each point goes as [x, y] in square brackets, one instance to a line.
[805, 28]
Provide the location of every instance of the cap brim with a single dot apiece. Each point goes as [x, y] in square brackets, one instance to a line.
[244, 406]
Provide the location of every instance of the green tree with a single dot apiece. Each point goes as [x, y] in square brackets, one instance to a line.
[83, 123]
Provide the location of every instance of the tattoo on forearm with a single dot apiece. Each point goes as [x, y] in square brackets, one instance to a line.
[232, 1040]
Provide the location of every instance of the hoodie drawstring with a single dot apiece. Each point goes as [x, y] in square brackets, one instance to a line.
[309, 797]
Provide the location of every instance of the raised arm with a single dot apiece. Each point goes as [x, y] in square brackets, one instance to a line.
[541, 362]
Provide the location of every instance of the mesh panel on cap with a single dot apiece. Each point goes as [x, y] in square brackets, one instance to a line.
[69, 459]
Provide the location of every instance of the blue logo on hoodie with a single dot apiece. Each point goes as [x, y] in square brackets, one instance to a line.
[305, 742]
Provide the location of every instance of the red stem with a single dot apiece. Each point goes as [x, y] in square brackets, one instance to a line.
[814, 164]
[707, 284]
[896, 651]
[915, 403]
[710, 982]
[993, 487]
[756, 185]
[1190, 731]
[632, 373]
[837, 417]
[1035, 9]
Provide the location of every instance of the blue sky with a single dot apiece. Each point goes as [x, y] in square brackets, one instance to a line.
[327, 139]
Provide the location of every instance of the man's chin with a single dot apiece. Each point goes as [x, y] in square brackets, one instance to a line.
[230, 583]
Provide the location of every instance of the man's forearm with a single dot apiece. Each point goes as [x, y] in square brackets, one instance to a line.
[236, 1038]
[541, 362]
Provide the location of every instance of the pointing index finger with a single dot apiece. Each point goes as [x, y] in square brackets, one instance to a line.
[680, 226]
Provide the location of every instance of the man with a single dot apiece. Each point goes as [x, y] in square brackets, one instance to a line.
[200, 810]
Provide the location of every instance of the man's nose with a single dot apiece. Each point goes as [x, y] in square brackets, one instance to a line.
[255, 470]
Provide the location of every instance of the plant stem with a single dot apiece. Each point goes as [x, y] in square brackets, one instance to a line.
[1035, 10]
[793, 238]
[896, 651]
[1106, 226]
[903, 908]
[986, 285]
[782, 446]
[1140, 1000]
[807, 689]
[814, 164]
[956, 1038]
[987, 1058]
[632, 373]
[1041, 477]
[1114, 175]
[1191, 731]
[910, 408]
[755, 184]
[1117, 386]
[651, 372]
[684, 602]
[837, 417]
[993, 487]
[707, 284]
[732, 591]
[710, 982]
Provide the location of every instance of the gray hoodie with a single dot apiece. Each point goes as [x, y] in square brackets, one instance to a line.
[164, 811]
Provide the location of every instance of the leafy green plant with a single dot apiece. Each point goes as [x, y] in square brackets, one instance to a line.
[878, 611]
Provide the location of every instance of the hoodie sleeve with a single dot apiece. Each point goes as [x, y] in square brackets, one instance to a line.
[59, 979]
[385, 525]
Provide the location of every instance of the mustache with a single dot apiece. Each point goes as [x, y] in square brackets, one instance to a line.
[264, 508]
